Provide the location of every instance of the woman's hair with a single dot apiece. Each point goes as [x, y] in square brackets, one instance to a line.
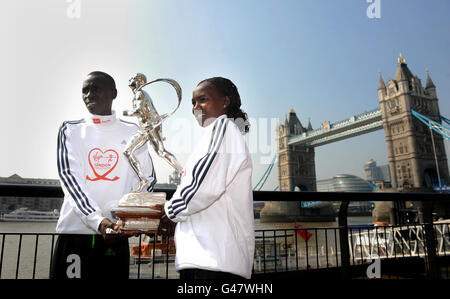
[234, 111]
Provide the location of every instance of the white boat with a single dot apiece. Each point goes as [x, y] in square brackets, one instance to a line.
[26, 215]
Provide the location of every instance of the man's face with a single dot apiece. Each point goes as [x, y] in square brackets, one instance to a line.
[208, 103]
[98, 95]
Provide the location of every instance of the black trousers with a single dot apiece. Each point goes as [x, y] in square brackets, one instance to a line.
[89, 257]
[189, 274]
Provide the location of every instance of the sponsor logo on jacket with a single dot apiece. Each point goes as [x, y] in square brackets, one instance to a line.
[102, 164]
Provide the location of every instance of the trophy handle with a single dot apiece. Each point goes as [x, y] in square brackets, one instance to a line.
[177, 89]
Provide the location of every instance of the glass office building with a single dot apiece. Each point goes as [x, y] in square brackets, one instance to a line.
[349, 183]
[344, 183]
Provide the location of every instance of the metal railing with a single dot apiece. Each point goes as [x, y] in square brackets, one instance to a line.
[400, 251]
[415, 250]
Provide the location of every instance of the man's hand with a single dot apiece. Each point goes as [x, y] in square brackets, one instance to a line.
[166, 226]
[105, 224]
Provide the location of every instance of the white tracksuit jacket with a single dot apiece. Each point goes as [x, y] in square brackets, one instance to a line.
[213, 204]
[93, 171]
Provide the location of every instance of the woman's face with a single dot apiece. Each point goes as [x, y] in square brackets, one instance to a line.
[208, 103]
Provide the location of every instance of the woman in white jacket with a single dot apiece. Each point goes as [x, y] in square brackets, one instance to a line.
[213, 205]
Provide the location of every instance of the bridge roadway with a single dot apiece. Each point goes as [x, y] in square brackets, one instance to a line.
[353, 126]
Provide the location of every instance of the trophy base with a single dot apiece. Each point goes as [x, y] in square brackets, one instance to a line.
[140, 212]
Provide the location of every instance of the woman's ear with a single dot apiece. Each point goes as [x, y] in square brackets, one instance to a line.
[227, 102]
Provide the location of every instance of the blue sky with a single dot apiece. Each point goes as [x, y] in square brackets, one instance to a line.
[321, 58]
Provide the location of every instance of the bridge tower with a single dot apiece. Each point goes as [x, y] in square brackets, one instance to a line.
[296, 172]
[296, 164]
[409, 143]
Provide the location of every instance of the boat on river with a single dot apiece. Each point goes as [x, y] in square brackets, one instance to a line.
[27, 215]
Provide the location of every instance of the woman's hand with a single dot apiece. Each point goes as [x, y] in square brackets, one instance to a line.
[166, 226]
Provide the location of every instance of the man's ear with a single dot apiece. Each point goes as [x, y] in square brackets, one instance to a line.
[114, 94]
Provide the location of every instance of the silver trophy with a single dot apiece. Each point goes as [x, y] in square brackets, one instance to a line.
[141, 211]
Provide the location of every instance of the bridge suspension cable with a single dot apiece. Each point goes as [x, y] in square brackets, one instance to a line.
[439, 128]
[445, 119]
[265, 176]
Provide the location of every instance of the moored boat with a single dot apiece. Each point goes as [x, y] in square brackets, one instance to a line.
[27, 215]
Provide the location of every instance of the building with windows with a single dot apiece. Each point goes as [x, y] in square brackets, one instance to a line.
[9, 204]
[380, 176]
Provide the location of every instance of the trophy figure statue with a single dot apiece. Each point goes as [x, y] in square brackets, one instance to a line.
[141, 211]
[150, 126]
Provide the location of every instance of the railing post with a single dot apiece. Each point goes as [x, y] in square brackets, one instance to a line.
[430, 240]
[343, 237]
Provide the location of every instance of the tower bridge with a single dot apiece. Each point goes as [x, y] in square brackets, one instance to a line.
[353, 126]
[416, 155]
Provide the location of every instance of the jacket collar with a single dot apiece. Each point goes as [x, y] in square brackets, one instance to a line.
[102, 120]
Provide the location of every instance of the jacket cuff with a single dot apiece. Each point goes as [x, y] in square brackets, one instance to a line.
[93, 220]
[177, 218]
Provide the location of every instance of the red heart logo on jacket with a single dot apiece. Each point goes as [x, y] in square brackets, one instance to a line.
[102, 163]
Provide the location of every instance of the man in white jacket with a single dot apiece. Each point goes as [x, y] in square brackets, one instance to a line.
[94, 175]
